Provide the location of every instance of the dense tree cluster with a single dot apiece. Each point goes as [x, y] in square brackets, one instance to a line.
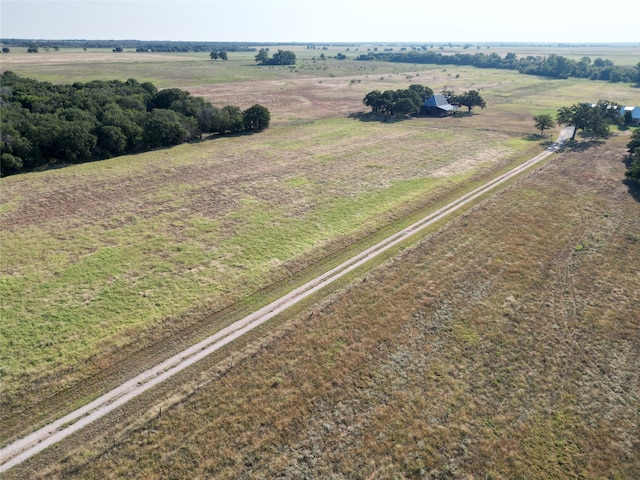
[281, 57]
[543, 122]
[215, 55]
[594, 119]
[410, 101]
[554, 66]
[44, 124]
[397, 102]
[634, 151]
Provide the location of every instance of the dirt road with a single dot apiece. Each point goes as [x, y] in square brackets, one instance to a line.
[34, 443]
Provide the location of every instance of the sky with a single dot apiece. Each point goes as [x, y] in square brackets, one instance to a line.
[307, 21]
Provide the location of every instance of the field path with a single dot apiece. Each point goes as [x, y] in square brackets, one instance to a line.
[34, 443]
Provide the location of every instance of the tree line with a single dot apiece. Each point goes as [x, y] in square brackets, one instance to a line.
[409, 101]
[554, 66]
[138, 45]
[46, 124]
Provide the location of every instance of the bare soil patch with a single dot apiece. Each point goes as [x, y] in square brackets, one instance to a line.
[289, 100]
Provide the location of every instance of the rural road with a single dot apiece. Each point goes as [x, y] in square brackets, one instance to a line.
[24, 448]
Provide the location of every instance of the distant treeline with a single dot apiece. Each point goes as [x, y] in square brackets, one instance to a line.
[554, 66]
[138, 45]
[46, 124]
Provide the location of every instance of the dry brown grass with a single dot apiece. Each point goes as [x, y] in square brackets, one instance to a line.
[504, 346]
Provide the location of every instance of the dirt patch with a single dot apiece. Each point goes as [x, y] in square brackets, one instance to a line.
[289, 100]
[470, 163]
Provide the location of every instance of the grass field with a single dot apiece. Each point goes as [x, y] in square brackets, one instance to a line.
[97, 254]
[110, 266]
[493, 349]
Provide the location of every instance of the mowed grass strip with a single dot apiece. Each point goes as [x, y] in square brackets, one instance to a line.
[495, 348]
[95, 255]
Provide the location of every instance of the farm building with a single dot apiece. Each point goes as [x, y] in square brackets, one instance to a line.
[437, 104]
[635, 114]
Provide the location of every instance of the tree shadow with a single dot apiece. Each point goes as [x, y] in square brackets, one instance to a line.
[533, 137]
[633, 184]
[373, 117]
[464, 113]
[583, 146]
[364, 116]
[544, 140]
[634, 188]
[216, 136]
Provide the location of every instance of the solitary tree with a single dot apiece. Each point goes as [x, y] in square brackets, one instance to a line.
[584, 117]
[543, 122]
[471, 99]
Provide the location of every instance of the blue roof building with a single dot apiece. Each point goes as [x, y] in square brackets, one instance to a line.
[437, 104]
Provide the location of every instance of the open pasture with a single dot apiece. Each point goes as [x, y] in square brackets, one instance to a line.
[98, 256]
[110, 266]
[503, 346]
